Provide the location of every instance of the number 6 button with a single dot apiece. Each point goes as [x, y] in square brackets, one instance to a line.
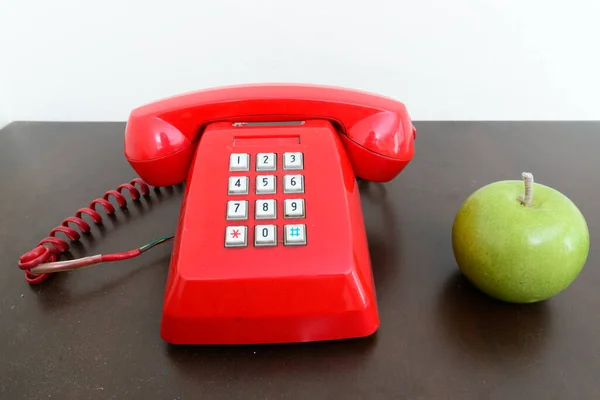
[293, 208]
[293, 184]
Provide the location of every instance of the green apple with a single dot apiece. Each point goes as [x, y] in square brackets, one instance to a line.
[520, 241]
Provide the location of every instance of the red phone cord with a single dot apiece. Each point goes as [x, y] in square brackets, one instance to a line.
[51, 247]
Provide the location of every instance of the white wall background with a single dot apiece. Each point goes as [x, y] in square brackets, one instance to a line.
[457, 60]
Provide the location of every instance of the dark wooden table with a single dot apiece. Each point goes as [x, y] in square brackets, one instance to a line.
[94, 333]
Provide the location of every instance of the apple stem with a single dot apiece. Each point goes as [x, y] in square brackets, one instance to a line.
[528, 181]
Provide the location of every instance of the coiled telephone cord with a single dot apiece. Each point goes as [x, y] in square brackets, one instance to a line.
[44, 260]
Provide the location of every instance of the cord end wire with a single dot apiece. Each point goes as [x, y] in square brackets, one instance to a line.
[70, 265]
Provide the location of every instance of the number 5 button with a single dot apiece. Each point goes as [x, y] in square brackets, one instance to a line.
[265, 184]
[293, 208]
[293, 184]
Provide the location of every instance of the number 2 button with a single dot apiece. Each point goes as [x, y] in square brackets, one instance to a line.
[266, 162]
[238, 185]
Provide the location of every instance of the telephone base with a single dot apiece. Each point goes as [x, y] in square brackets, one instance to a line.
[236, 323]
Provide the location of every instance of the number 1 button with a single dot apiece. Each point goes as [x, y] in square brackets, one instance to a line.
[239, 162]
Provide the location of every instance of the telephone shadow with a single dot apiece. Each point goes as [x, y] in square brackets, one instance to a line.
[384, 238]
[220, 362]
[488, 330]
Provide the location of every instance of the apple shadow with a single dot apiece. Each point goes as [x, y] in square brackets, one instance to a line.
[485, 329]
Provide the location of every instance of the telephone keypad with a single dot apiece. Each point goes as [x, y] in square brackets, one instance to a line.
[265, 235]
[265, 209]
[295, 235]
[238, 185]
[289, 207]
[293, 161]
[237, 209]
[266, 162]
[239, 162]
[236, 236]
[293, 184]
[266, 184]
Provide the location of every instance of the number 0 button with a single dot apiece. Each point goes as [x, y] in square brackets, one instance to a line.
[265, 235]
[238, 185]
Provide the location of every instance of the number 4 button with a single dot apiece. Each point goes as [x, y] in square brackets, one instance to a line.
[238, 185]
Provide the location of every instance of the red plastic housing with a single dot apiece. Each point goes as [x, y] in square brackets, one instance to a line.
[377, 132]
[320, 291]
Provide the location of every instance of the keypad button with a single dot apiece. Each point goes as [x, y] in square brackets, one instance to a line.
[293, 161]
[265, 235]
[239, 162]
[238, 185]
[265, 184]
[236, 236]
[295, 235]
[265, 209]
[293, 208]
[293, 184]
[237, 209]
[266, 162]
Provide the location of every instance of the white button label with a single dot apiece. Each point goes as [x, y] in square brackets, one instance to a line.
[293, 184]
[238, 185]
[239, 162]
[295, 235]
[293, 208]
[293, 161]
[265, 184]
[237, 209]
[266, 162]
[236, 236]
[265, 235]
[265, 209]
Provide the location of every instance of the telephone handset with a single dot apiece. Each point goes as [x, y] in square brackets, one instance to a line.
[376, 132]
[271, 245]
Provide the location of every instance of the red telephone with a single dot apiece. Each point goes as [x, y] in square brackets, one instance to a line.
[271, 244]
